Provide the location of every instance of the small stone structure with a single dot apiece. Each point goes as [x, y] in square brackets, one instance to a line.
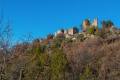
[73, 30]
[40, 39]
[64, 31]
[84, 25]
[68, 33]
[87, 25]
[94, 23]
[112, 31]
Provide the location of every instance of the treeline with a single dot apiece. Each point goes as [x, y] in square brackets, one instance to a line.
[61, 58]
[39, 64]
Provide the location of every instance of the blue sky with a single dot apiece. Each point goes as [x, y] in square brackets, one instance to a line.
[42, 17]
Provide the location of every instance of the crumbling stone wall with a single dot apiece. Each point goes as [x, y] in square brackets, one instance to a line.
[71, 31]
[59, 32]
[94, 23]
[65, 31]
[85, 24]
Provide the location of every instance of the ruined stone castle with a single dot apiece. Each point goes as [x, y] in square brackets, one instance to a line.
[72, 32]
[86, 24]
[68, 33]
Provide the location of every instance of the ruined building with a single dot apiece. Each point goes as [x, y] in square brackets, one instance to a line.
[73, 32]
[94, 23]
[86, 24]
[67, 33]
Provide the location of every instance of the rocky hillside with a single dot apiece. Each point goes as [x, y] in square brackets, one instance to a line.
[64, 59]
[61, 58]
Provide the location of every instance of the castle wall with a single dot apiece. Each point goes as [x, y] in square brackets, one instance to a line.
[70, 31]
[73, 30]
[59, 32]
[94, 23]
[65, 31]
[84, 26]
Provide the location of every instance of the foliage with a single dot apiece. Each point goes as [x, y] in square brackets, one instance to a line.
[59, 36]
[45, 67]
[57, 43]
[109, 23]
[67, 40]
[59, 65]
[91, 30]
[35, 41]
[39, 66]
[106, 24]
[96, 27]
[101, 33]
[50, 36]
[87, 73]
[80, 36]
[87, 22]
[97, 31]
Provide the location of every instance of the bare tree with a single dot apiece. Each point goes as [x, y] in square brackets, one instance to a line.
[28, 38]
[5, 42]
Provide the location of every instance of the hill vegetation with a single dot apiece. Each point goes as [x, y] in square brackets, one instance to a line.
[61, 58]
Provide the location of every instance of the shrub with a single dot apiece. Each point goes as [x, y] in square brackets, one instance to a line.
[39, 66]
[49, 47]
[59, 65]
[101, 33]
[57, 43]
[67, 40]
[50, 36]
[80, 36]
[36, 41]
[61, 35]
[107, 24]
[91, 30]
[96, 27]
[87, 22]
[87, 73]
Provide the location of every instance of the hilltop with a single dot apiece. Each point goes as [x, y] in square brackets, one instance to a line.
[89, 30]
[92, 54]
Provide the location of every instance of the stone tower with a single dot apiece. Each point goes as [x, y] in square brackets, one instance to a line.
[73, 31]
[94, 23]
[85, 24]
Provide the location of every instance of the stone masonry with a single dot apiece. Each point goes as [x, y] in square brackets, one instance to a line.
[71, 31]
[93, 24]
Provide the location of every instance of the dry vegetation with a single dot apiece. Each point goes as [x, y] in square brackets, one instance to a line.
[93, 59]
[60, 58]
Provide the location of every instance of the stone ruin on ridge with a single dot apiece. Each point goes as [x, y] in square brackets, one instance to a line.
[73, 32]
[68, 33]
[86, 24]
